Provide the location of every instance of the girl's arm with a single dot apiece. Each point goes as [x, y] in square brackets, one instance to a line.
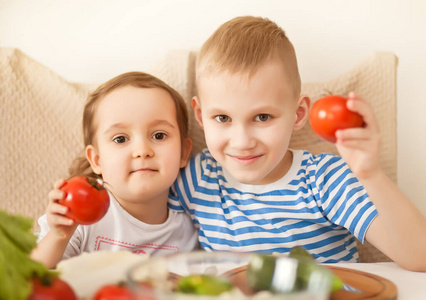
[51, 248]
[399, 230]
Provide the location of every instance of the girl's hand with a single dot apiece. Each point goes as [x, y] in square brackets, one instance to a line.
[60, 226]
[360, 147]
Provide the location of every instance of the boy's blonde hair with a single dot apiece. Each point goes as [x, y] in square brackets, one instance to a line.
[243, 44]
[81, 165]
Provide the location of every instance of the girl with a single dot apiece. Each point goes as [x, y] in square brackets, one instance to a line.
[135, 130]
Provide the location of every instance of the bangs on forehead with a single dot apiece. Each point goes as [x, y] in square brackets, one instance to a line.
[214, 63]
[242, 45]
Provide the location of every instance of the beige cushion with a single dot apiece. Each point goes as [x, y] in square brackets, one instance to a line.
[41, 121]
[40, 128]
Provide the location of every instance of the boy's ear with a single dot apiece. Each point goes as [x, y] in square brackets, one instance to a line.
[196, 107]
[93, 158]
[186, 151]
[302, 112]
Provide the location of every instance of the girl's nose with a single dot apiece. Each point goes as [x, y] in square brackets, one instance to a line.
[143, 149]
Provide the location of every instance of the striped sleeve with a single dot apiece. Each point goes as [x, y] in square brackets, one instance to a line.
[340, 195]
[185, 185]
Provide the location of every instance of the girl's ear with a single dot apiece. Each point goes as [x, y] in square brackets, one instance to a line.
[186, 151]
[196, 107]
[93, 158]
[302, 112]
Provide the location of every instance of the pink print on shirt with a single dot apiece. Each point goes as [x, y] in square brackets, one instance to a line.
[103, 243]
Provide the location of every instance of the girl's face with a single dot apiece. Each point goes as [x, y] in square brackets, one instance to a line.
[137, 147]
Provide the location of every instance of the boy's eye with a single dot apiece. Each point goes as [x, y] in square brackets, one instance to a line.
[262, 117]
[120, 139]
[159, 136]
[222, 118]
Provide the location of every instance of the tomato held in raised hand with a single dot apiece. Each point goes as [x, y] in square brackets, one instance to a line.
[51, 288]
[113, 292]
[87, 200]
[330, 114]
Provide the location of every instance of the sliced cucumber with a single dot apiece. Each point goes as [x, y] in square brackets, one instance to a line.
[203, 285]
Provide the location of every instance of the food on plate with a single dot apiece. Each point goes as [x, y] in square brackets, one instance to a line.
[51, 288]
[260, 271]
[203, 285]
[88, 272]
[286, 275]
[16, 267]
[225, 275]
[86, 198]
[330, 114]
[299, 252]
[117, 291]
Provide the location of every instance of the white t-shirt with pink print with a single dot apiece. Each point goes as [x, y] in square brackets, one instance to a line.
[118, 230]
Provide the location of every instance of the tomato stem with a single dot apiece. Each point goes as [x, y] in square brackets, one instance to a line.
[46, 280]
[95, 183]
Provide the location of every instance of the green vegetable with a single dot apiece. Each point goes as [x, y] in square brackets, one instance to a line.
[283, 275]
[203, 285]
[16, 267]
[299, 252]
[260, 271]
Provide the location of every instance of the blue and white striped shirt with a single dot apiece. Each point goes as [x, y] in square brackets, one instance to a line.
[318, 204]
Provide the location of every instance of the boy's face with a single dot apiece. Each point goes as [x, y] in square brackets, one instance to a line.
[138, 144]
[248, 122]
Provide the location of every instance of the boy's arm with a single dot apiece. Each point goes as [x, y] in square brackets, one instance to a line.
[399, 230]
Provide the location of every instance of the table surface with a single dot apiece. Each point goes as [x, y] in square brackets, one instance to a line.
[411, 285]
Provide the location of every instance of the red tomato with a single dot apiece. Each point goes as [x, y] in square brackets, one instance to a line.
[329, 114]
[86, 198]
[113, 292]
[51, 288]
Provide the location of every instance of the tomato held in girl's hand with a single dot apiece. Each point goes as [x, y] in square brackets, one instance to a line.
[330, 114]
[51, 288]
[87, 200]
[113, 292]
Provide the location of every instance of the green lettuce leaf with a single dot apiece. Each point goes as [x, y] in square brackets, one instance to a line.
[16, 267]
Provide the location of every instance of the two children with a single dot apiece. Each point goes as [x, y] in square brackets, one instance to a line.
[249, 192]
[135, 134]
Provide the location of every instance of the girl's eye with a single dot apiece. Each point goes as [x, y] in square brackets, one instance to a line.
[262, 117]
[120, 139]
[222, 118]
[159, 136]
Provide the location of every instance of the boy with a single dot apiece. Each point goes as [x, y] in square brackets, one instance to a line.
[249, 192]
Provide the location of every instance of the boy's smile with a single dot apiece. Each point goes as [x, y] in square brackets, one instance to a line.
[248, 121]
[246, 160]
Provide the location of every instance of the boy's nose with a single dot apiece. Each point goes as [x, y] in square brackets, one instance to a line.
[241, 137]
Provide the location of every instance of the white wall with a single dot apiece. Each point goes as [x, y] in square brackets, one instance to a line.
[92, 41]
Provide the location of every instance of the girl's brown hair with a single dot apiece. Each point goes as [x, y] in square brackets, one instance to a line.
[81, 165]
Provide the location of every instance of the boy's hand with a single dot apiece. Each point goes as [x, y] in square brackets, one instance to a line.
[60, 226]
[360, 147]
